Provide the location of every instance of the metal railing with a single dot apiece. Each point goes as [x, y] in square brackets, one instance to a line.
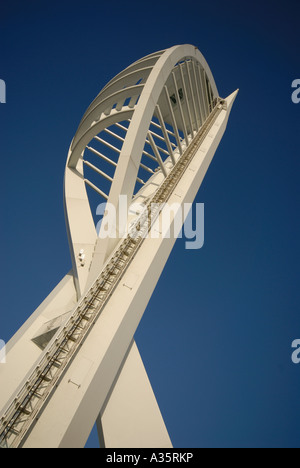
[28, 403]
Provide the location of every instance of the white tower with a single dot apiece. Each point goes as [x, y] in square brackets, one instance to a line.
[149, 138]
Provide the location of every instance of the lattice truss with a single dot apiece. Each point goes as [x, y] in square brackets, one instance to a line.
[183, 106]
[145, 125]
[139, 125]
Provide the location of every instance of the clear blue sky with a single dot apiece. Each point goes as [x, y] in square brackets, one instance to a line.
[216, 337]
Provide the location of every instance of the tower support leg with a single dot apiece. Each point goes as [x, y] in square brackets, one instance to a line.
[130, 417]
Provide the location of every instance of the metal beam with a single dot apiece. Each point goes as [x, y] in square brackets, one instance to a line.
[94, 187]
[192, 94]
[115, 135]
[157, 154]
[105, 158]
[180, 110]
[147, 168]
[103, 174]
[205, 108]
[150, 156]
[117, 150]
[165, 133]
[186, 98]
[158, 126]
[205, 89]
[197, 94]
[174, 124]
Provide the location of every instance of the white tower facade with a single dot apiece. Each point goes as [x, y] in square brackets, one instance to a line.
[146, 140]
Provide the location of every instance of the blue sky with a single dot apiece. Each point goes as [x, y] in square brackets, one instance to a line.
[216, 336]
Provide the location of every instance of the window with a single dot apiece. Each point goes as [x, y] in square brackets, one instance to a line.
[173, 97]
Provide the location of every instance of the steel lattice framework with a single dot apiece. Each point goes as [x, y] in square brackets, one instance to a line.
[144, 121]
[148, 136]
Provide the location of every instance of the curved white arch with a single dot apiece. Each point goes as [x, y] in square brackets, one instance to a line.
[92, 120]
[168, 123]
[138, 94]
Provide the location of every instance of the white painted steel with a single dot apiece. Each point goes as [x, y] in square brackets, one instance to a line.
[74, 358]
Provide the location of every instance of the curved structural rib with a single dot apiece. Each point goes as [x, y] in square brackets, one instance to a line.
[145, 115]
[148, 137]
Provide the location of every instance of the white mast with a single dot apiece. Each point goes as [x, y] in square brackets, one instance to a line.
[149, 137]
